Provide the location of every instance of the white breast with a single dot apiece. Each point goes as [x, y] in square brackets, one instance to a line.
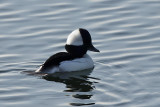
[75, 38]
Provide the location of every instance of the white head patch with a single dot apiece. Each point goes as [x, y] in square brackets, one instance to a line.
[75, 38]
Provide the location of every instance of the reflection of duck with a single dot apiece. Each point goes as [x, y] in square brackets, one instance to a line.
[75, 81]
[75, 59]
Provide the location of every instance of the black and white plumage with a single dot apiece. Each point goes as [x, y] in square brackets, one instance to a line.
[75, 59]
[56, 59]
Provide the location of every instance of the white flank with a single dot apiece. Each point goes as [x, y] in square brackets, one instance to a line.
[77, 64]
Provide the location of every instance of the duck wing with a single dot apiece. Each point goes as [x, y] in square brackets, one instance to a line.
[56, 59]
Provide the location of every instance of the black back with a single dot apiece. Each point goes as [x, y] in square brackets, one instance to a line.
[56, 59]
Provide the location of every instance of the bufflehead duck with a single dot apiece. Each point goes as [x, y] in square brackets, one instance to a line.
[76, 57]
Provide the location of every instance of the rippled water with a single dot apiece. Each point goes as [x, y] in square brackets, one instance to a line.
[127, 70]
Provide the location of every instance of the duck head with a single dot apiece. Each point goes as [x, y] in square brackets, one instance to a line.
[78, 42]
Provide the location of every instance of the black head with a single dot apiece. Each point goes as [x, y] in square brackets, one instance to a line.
[79, 41]
[87, 40]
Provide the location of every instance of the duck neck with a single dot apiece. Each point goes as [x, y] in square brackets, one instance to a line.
[76, 51]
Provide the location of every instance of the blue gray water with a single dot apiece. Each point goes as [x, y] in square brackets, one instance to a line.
[127, 70]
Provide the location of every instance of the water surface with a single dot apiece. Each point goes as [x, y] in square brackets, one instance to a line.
[126, 72]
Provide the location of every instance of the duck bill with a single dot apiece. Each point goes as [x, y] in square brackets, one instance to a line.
[92, 48]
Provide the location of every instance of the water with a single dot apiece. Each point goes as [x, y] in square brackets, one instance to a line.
[127, 69]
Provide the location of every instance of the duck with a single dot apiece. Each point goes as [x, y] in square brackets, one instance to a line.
[75, 58]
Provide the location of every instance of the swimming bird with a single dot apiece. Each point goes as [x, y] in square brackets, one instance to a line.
[75, 59]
